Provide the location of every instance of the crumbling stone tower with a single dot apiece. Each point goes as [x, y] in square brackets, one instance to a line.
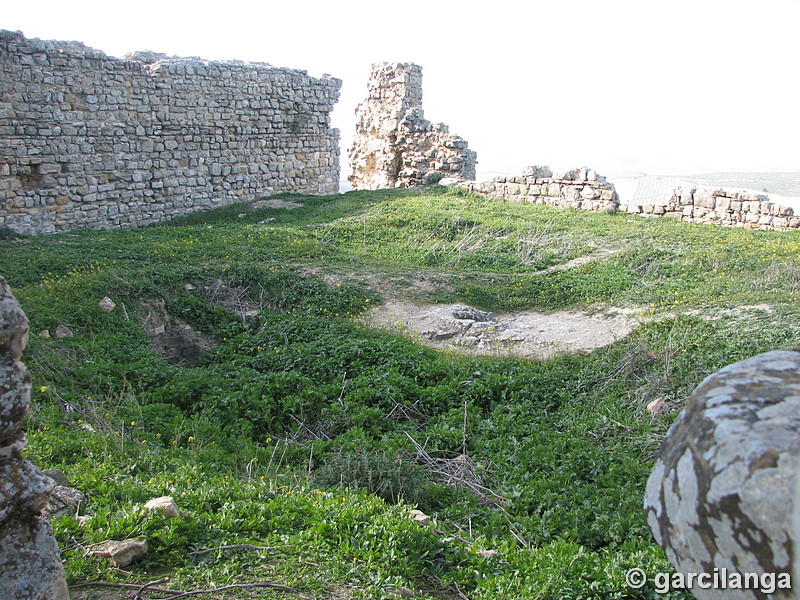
[395, 146]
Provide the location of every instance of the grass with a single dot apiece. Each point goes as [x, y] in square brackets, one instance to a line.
[304, 432]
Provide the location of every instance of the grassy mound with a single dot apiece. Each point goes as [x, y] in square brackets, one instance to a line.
[297, 441]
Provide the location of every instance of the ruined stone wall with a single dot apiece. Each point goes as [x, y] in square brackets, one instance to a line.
[583, 189]
[88, 140]
[394, 145]
[720, 207]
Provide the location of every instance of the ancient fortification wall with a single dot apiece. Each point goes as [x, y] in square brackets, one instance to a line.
[583, 189]
[88, 140]
[394, 145]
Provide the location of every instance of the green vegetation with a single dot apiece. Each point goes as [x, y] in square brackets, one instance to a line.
[304, 432]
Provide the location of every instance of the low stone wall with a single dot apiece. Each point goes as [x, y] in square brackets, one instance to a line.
[394, 145]
[720, 207]
[581, 189]
[88, 140]
[584, 189]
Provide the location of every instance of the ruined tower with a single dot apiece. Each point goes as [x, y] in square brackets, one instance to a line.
[394, 145]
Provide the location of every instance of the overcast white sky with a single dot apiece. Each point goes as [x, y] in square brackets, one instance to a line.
[618, 85]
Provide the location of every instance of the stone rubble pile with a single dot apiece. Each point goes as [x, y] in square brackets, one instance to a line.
[88, 140]
[394, 145]
[581, 189]
[30, 566]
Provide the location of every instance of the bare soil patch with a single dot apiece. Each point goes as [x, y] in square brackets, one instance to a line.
[527, 334]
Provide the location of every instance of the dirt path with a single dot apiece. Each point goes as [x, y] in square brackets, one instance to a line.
[528, 334]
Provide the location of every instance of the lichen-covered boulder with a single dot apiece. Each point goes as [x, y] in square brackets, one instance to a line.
[30, 566]
[724, 491]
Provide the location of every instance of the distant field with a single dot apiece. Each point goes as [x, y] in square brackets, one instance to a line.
[785, 184]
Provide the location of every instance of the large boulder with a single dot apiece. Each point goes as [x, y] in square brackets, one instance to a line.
[30, 567]
[724, 491]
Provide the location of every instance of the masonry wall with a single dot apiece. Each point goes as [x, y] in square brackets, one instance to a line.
[88, 140]
[584, 189]
[581, 189]
[395, 145]
[720, 207]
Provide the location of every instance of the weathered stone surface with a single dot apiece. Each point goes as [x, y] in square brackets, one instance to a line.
[96, 141]
[394, 145]
[724, 490]
[30, 568]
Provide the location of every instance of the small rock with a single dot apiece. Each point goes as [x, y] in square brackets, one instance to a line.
[441, 335]
[62, 331]
[487, 553]
[164, 505]
[656, 406]
[420, 517]
[121, 553]
[57, 475]
[472, 314]
[64, 501]
[403, 592]
[189, 287]
[83, 520]
[44, 333]
[107, 304]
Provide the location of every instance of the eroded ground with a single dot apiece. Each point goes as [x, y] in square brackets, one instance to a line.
[527, 334]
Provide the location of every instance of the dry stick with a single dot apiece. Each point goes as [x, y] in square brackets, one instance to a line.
[276, 586]
[234, 547]
[138, 595]
[123, 585]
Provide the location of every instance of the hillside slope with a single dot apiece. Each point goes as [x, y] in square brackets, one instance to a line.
[237, 373]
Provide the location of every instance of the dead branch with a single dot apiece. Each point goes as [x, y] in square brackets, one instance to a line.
[240, 586]
[135, 586]
[233, 547]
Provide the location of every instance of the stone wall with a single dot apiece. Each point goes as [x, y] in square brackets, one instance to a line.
[30, 566]
[394, 145]
[720, 207]
[581, 189]
[88, 140]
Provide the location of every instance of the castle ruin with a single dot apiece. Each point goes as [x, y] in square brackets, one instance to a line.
[88, 140]
[395, 146]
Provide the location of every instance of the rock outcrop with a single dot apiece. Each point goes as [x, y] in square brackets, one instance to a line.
[30, 567]
[394, 145]
[724, 491]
